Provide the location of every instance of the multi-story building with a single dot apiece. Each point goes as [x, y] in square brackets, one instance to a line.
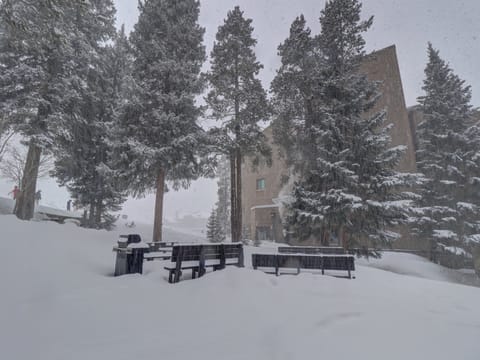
[263, 187]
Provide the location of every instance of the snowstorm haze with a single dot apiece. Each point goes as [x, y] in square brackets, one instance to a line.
[452, 27]
[367, 228]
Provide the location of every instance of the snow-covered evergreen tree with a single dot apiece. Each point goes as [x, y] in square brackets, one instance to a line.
[46, 43]
[297, 96]
[84, 154]
[238, 102]
[158, 135]
[448, 154]
[215, 233]
[6, 131]
[339, 150]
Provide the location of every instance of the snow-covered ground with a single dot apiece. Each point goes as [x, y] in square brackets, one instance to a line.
[59, 301]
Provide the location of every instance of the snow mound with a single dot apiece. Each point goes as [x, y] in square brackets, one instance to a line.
[413, 265]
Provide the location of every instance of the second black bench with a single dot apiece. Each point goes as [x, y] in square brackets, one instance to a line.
[202, 256]
[308, 262]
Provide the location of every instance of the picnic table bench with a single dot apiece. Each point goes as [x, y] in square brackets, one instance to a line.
[159, 250]
[202, 256]
[344, 262]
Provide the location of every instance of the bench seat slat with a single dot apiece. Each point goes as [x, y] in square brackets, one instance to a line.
[304, 261]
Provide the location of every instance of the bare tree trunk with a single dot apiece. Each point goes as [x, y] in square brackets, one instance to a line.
[98, 213]
[233, 201]
[238, 163]
[324, 238]
[25, 206]
[91, 215]
[157, 225]
[343, 237]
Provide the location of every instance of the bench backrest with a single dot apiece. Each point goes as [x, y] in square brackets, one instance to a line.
[264, 260]
[311, 250]
[156, 246]
[207, 252]
[325, 262]
[339, 263]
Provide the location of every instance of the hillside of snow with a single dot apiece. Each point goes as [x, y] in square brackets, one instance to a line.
[59, 301]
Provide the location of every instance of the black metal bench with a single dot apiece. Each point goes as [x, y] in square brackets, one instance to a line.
[309, 262]
[200, 257]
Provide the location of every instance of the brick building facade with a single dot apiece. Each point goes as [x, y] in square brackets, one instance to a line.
[262, 187]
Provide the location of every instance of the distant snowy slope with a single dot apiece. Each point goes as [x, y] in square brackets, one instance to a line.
[58, 302]
[413, 265]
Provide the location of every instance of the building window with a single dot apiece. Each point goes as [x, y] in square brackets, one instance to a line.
[260, 184]
[263, 233]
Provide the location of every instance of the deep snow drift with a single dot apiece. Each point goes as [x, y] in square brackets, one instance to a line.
[59, 301]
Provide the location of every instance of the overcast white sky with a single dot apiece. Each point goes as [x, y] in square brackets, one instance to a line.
[452, 26]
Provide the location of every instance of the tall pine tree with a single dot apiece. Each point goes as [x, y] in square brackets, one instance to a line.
[238, 102]
[84, 155]
[45, 45]
[448, 155]
[297, 96]
[341, 154]
[158, 137]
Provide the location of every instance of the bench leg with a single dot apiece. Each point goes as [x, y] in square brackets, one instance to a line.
[349, 274]
[170, 277]
[201, 267]
[193, 273]
[177, 276]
